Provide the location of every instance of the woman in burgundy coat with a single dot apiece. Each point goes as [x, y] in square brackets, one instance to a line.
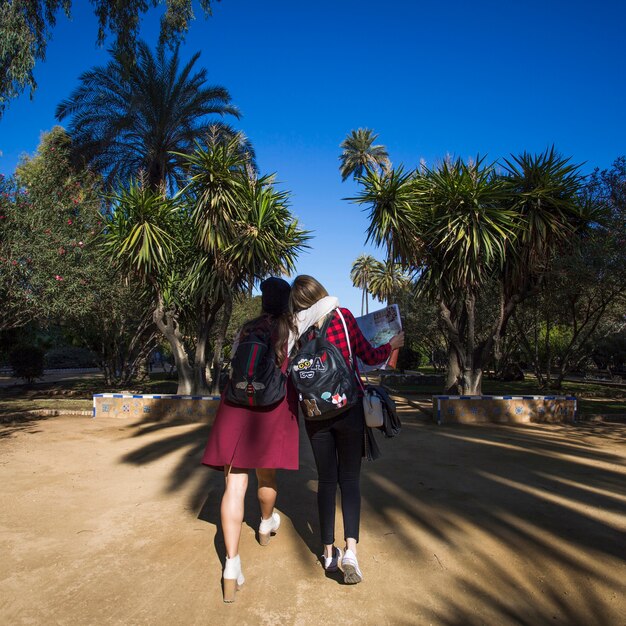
[260, 438]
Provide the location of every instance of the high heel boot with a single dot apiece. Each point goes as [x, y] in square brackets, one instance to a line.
[233, 578]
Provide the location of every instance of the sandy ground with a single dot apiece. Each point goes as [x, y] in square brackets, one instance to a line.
[110, 521]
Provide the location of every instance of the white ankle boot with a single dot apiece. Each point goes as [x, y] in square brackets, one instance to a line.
[232, 578]
[268, 527]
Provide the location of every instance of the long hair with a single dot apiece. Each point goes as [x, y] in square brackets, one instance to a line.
[280, 327]
[305, 292]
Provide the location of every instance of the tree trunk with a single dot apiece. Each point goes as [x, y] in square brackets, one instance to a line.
[168, 324]
[200, 355]
[453, 374]
[219, 345]
[472, 382]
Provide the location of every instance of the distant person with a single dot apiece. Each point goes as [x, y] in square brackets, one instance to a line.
[338, 441]
[264, 438]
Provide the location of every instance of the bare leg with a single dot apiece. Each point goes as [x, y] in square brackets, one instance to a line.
[266, 493]
[351, 545]
[233, 507]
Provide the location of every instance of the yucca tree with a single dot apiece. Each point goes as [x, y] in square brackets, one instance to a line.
[226, 229]
[361, 274]
[447, 225]
[242, 222]
[462, 229]
[127, 118]
[359, 153]
[543, 190]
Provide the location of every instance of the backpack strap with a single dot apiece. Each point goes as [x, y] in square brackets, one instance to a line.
[345, 328]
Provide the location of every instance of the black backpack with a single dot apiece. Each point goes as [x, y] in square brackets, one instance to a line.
[255, 379]
[326, 384]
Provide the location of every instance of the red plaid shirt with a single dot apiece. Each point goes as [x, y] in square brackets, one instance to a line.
[361, 347]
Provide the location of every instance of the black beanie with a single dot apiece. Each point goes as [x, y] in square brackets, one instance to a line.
[275, 298]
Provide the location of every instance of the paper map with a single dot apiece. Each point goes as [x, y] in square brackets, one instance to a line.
[378, 328]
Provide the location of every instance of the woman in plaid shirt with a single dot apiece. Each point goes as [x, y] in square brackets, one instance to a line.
[337, 442]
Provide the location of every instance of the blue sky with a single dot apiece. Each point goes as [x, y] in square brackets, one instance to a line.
[432, 79]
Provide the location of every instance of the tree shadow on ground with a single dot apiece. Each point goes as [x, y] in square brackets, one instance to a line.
[547, 501]
[20, 422]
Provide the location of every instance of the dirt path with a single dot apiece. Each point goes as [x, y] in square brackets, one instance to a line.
[111, 522]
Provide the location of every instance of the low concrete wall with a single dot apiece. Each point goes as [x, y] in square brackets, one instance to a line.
[503, 409]
[416, 380]
[156, 407]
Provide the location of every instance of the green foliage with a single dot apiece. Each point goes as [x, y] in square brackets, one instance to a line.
[70, 357]
[49, 227]
[26, 26]
[131, 118]
[359, 153]
[56, 272]
[409, 358]
[361, 275]
[610, 352]
[243, 227]
[461, 229]
[140, 233]
[27, 362]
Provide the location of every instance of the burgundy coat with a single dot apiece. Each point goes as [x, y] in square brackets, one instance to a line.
[260, 437]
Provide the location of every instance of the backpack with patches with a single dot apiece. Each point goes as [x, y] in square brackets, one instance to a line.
[326, 384]
[255, 379]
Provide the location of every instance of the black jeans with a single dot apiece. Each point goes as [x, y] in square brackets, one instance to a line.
[338, 447]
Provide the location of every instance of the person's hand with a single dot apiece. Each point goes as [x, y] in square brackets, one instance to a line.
[397, 341]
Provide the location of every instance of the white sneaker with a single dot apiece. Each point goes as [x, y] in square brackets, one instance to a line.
[350, 567]
[331, 563]
[268, 527]
[232, 578]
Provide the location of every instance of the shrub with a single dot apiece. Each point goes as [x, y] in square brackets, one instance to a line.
[69, 357]
[27, 362]
[409, 359]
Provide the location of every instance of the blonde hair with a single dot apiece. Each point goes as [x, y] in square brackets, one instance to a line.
[305, 292]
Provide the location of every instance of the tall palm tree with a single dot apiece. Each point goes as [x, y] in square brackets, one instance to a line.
[361, 274]
[387, 280]
[125, 118]
[359, 153]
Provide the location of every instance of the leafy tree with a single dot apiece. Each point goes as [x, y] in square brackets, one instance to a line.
[360, 153]
[26, 26]
[128, 118]
[460, 226]
[18, 305]
[55, 272]
[583, 292]
[225, 230]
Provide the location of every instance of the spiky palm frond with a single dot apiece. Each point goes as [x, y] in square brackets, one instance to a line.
[544, 190]
[140, 232]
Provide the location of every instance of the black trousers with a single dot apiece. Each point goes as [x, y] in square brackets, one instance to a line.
[338, 447]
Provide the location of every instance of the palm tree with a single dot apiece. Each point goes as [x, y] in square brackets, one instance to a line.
[361, 274]
[127, 118]
[387, 279]
[360, 153]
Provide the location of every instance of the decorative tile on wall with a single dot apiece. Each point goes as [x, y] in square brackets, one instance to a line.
[156, 407]
[504, 409]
